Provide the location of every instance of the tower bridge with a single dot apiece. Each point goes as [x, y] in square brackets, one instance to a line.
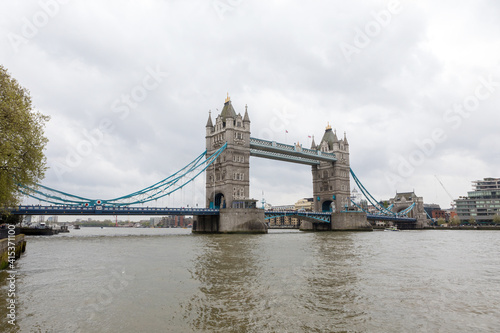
[228, 207]
[228, 178]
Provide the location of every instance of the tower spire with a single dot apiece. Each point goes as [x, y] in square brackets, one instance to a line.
[209, 121]
[245, 117]
[313, 144]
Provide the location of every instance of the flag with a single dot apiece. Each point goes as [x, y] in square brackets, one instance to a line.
[309, 136]
[286, 131]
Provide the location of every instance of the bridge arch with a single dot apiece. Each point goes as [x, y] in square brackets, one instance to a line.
[410, 214]
[326, 206]
[219, 201]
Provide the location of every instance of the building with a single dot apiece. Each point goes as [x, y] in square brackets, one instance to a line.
[153, 221]
[359, 201]
[283, 208]
[433, 210]
[305, 204]
[439, 214]
[482, 204]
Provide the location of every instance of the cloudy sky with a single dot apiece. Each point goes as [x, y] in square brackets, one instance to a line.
[128, 86]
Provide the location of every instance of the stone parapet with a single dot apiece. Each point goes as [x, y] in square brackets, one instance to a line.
[20, 247]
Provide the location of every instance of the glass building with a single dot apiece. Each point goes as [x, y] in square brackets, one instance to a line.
[482, 204]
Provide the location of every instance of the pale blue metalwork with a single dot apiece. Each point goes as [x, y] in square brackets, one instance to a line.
[154, 192]
[288, 153]
[369, 197]
[110, 210]
[318, 216]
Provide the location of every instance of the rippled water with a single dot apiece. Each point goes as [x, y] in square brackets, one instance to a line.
[168, 280]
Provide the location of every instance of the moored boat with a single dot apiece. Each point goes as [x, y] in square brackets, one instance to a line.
[29, 231]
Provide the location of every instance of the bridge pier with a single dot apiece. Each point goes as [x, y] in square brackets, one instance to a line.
[342, 221]
[232, 221]
[205, 224]
[310, 226]
[350, 221]
[242, 220]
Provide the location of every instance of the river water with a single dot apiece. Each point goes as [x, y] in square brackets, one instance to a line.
[169, 280]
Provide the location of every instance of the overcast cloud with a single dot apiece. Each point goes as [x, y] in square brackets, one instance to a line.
[415, 84]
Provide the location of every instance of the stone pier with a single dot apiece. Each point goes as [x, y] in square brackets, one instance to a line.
[314, 226]
[350, 221]
[242, 220]
[206, 224]
[345, 221]
[232, 221]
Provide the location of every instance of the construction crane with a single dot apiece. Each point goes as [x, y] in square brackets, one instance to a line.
[451, 197]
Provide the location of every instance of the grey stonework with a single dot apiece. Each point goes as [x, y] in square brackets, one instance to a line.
[228, 178]
[228, 185]
[350, 221]
[331, 181]
[404, 200]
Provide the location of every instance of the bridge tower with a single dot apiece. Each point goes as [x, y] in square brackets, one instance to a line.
[404, 200]
[227, 179]
[331, 188]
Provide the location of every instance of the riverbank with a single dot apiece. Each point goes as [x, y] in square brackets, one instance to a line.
[6, 245]
[464, 227]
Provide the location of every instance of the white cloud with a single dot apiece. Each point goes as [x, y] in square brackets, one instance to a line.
[284, 60]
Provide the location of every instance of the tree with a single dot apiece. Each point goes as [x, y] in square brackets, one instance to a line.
[472, 221]
[441, 221]
[496, 219]
[22, 141]
[455, 220]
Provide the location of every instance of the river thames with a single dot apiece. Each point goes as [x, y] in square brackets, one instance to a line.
[169, 280]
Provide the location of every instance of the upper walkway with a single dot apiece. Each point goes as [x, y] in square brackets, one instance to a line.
[288, 153]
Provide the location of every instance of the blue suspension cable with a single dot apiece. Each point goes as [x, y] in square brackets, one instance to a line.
[367, 195]
[153, 192]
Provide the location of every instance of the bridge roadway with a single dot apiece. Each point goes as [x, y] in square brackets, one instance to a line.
[320, 217]
[325, 217]
[111, 210]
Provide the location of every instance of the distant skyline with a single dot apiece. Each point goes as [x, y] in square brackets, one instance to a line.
[414, 84]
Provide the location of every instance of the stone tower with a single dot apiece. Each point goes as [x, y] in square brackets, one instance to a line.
[331, 188]
[228, 177]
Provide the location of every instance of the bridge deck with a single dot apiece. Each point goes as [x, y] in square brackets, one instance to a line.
[320, 217]
[374, 217]
[103, 210]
